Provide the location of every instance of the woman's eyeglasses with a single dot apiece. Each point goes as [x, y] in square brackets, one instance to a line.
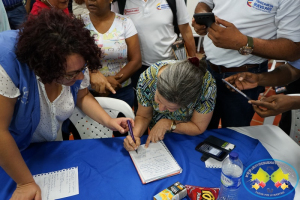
[74, 74]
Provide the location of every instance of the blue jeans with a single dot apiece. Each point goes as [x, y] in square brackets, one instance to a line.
[16, 16]
[232, 108]
[126, 94]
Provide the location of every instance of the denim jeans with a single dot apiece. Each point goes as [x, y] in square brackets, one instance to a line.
[126, 94]
[232, 108]
[16, 17]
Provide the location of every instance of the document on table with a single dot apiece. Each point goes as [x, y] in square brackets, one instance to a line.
[58, 184]
[155, 162]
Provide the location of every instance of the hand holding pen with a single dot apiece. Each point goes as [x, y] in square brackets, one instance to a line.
[134, 142]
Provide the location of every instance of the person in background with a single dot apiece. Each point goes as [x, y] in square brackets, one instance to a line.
[4, 24]
[117, 37]
[154, 23]
[44, 69]
[79, 8]
[246, 34]
[275, 104]
[174, 96]
[16, 12]
[41, 4]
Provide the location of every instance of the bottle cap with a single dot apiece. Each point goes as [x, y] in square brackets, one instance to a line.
[233, 155]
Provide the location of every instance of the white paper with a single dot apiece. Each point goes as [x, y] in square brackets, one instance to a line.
[58, 184]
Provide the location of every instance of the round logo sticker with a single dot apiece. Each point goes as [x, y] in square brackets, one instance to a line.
[270, 178]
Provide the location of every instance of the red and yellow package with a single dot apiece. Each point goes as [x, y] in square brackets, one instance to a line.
[202, 193]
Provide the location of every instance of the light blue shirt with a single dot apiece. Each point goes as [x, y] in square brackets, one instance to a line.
[295, 64]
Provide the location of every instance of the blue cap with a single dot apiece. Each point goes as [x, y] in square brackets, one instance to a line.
[233, 155]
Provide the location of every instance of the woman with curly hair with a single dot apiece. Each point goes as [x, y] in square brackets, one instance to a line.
[44, 74]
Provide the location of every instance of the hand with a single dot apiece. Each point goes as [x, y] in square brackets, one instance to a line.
[79, 2]
[113, 80]
[99, 83]
[200, 29]
[243, 81]
[158, 132]
[272, 105]
[129, 145]
[119, 124]
[228, 37]
[27, 191]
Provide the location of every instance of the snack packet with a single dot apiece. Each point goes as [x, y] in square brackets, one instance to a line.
[176, 191]
[202, 193]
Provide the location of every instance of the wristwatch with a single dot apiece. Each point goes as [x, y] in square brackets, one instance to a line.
[173, 126]
[246, 50]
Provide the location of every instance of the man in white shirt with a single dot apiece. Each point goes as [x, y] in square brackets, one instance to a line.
[245, 35]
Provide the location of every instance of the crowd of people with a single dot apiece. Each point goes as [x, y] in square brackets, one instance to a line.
[52, 61]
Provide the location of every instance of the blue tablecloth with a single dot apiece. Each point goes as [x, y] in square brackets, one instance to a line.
[106, 170]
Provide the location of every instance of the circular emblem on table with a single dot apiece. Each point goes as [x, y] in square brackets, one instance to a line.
[270, 178]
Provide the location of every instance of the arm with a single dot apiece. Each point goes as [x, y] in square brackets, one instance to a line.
[196, 126]
[88, 104]
[134, 59]
[281, 75]
[229, 37]
[10, 157]
[275, 105]
[142, 121]
[27, 6]
[188, 37]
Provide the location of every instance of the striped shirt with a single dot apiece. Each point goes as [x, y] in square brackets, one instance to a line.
[11, 3]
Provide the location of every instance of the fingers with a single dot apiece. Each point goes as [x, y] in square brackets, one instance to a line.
[129, 144]
[108, 87]
[117, 77]
[200, 29]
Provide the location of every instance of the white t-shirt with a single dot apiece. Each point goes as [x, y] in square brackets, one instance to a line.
[265, 19]
[112, 43]
[52, 113]
[154, 22]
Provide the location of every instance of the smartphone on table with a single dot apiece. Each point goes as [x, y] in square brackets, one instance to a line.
[206, 19]
[212, 150]
[237, 90]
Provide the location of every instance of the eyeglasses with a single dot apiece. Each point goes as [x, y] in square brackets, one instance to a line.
[71, 76]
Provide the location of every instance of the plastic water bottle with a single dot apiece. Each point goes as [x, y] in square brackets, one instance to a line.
[231, 177]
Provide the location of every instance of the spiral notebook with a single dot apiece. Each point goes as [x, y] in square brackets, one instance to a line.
[155, 162]
[58, 184]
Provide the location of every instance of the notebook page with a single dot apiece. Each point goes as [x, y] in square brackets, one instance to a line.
[154, 162]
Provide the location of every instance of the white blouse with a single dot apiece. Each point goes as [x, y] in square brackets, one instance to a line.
[52, 113]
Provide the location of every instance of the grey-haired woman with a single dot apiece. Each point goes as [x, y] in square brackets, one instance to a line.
[173, 96]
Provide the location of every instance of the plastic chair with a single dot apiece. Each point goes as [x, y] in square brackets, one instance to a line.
[88, 128]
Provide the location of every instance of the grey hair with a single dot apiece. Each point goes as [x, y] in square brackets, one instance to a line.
[181, 82]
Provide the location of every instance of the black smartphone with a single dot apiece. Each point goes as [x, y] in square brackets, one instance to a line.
[212, 151]
[205, 19]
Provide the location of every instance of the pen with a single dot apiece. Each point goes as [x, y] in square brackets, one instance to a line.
[131, 133]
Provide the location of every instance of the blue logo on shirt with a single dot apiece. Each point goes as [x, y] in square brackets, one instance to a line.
[162, 6]
[260, 5]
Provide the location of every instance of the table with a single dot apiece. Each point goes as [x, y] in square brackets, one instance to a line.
[106, 171]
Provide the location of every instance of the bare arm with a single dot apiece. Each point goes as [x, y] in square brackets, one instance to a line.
[229, 37]
[10, 157]
[188, 37]
[196, 126]
[134, 58]
[90, 106]
[202, 8]
[281, 75]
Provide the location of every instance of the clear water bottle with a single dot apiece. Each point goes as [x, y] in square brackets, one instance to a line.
[231, 177]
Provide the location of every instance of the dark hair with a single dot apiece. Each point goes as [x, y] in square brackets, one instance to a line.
[181, 82]
[47, 39]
